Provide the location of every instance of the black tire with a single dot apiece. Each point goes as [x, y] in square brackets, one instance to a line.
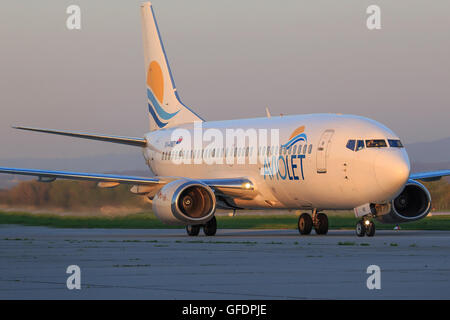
[321, 225]
[360, 229]
[210, 227]
[305, 224]
[370, 229]
[193, 230]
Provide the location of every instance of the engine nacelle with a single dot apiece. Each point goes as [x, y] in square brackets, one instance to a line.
[412, 204]
[184, 202]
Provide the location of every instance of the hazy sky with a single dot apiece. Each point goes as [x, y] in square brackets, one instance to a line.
[230, 59]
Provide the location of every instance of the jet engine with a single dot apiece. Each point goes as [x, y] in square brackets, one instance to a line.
[413, 203]
[184, 202]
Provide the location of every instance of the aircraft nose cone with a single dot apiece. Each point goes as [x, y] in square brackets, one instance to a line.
[392, 171]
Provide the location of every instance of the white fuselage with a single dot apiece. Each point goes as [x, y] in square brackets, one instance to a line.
[325, 174]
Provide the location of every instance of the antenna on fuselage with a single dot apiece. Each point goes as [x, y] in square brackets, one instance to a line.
[268, 113]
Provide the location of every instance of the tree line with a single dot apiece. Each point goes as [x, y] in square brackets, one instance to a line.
[69, 195]
[78, 195]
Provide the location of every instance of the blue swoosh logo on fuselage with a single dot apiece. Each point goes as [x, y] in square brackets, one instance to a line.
[291, 142]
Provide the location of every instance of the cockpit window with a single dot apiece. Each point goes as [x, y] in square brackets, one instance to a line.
[376, 143]
[395, 143]
[360, 145]
[351, 144]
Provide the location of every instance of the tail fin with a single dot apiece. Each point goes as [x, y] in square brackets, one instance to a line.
[166, 109]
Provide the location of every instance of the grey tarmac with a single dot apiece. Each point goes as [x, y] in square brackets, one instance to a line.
[235, 264]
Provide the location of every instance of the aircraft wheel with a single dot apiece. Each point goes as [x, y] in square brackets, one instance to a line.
[305, 223]
[360, 229]
[193, 230]
[210, 227]
[370, 229]
[321, 223]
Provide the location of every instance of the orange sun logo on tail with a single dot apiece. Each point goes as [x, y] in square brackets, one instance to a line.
[155, 94]
[155, 80]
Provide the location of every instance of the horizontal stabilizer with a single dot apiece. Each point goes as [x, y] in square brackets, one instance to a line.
[138, 142]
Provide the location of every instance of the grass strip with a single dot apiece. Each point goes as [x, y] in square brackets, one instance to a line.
[147, 220]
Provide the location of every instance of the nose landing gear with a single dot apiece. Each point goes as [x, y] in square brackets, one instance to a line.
[365, 227]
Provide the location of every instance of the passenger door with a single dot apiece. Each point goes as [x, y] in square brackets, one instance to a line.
[322, 150]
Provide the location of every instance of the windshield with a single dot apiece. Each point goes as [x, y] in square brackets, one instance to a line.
[376, 143]
[351, 144]
[360, 145]
[395, 143]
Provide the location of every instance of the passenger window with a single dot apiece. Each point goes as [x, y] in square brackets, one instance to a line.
[360, 145]
[351, 145]
[376, 143]
[395, 143]
[310, 148]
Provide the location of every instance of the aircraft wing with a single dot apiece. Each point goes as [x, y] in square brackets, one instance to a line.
[430, 175]
[230, 186]
[48, 175]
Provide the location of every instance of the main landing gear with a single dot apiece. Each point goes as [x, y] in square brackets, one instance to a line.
[209, 228]
[318, 220]
[365, 227]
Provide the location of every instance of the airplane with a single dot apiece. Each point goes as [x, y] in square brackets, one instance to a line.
[318, 162]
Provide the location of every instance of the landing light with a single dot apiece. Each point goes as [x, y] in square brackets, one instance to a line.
[247, 185]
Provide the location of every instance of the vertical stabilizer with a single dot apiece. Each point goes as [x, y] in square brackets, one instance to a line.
[164, 105]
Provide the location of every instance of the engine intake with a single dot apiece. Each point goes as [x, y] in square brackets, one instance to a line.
[184, 202]
[195, 202]
[413, 203]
